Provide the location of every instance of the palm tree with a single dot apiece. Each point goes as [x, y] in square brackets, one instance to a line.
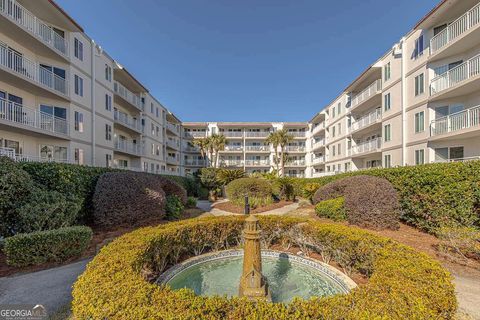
[218, 142]
[284, 139]
[202, 144]
[273, 139]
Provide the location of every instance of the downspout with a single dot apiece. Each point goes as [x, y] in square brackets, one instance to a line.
[404, 100]
[92, 97]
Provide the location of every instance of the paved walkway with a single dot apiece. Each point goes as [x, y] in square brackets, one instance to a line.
[208, 208]
[51, 288]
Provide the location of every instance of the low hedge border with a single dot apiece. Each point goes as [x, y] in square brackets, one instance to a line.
[46, 246]
[403, 284]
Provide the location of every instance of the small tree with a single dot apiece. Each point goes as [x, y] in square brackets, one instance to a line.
[273, 139]
[202, 144]
[280, 139]
[217, 144]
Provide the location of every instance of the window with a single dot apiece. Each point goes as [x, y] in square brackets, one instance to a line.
[333, 112]
[333, 151]
[387, 133]
[48, 152]
[388, 161]
[157, 131]
[79, 159]
[387, 102]
[339, 128]
[78, 86]
[339, 147]
[333, 132]
[108, 72]
[418, 47]
[339, 108]
[78, 49]
[151, 107]
[58, 112]
[108, 160]
[153, 129]
[387, 72]
[419, 156]
[108, 132]
[157, 112]
[153, 148]
[78, 121]
[157, 151]
[419, 122]
[419, 85]
[108, 102]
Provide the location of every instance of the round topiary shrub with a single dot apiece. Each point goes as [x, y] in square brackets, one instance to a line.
[128, 197]
[332, 209]
[259, 192]
[370, 202]
[172, 188]
[402, 283]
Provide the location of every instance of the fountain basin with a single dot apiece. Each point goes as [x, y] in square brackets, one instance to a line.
[288, 275]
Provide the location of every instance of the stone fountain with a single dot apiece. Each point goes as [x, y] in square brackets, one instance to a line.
[253, 284]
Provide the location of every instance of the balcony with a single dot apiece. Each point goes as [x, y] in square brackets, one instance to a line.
[172, 160]
[371, 146]
[257, 163]
[256, 134]
[295, 148]
[194, 162]
[295, 175]
[132, 98]
[194, 134]
[366, 121]
[231, 163]
[188, 148]
[297, 134]
[318, 160]
[130, 123]
[323, 174]
[458, 122]
[461, 76]
[295, 163]
[319, 144]
[232, 134]
[30, 70]
[233, 148]
[17, 114]
[8, 152]
[173, 128]
[318, 128]
[26, 20]
[257, 148]
[456, 31]
[474, 158]
[127, 147]
[174, 144]
[365, 95]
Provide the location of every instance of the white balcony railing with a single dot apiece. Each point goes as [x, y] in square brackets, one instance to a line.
[295, 148]
[173, 160]
[128, 147]
[367, 93]
[173, 144]
[231, 163]
[190, 148]
[127, 95]
[323, 174]
[19, 114]
[294, 163]
[295, 175]
[257, 148]
[16, 13]
[173, 128]
[233, 148]
[125, 120]
[32, 70]
[318, 160]
[297, 134]
[9, 152]
[319, 127]
[232, 134]
[366, 121]
[194, 134]
[318, 144]
[474, 158]
[256, 134]
[456, 121]
[250, 162]
[455, 29]
[368, 146]
[194, 162]
[455, 76]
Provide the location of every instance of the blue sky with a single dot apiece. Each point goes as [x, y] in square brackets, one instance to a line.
[250, 60]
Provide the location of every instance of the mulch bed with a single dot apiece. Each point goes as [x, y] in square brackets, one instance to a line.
[101, 236]
[230, 207]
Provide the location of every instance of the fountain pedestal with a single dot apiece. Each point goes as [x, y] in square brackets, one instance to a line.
[252, 283]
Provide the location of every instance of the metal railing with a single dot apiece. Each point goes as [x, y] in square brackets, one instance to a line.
[174, 128]
[194, 162]
[9, 152]
[231, 163]
[454, 76]
[16, 13]
[295, 175]
[17, 113]
[295, 148]
[319, 127]
[125, 120]
[297, 134]
[465, 22]
[367, 93]
[233, 148]
[366, 121]
[456, 121]
[323, 174]
[32, 70]
[127, 95]
[232, 134]
[474, 158]
[256, 134]
[318, 160]
[173, 144]
[128, 147]
[318, 144]
[293, 163]
[194, 134]
[257, 148]
[172, 159]
[368, 146]
[250, 162]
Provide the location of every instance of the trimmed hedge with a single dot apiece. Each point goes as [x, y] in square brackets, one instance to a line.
[403, 284]
[430, 195]
[332, 209]
[46, 246]
[259, 192]
[370, 202]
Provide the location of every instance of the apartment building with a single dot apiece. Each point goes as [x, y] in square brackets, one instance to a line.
[63, 98]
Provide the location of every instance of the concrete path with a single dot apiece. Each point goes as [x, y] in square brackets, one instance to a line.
[207, 206]
[51, 288]
[467, 287]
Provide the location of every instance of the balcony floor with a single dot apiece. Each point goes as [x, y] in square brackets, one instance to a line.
[461, 44]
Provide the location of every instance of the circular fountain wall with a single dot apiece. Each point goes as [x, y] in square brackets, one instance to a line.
[288, 275]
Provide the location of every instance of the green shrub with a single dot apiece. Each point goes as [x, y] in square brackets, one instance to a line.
[309, 190]
[402, 283]
[225, 176]
[173, 207]
[460, 242]
[332, 209]
[283, 189]
[191, 202]
[259, 192]
[46, 246]
[430, 195]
